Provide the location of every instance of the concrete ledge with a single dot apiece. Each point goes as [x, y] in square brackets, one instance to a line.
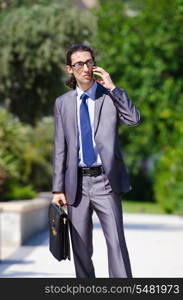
[21, 219]
[23, 205]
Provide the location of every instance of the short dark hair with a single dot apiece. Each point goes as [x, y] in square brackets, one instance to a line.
[71, 82]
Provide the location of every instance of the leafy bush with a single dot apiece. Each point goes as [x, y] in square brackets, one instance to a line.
[12, 140]
[168, 178]
[16, 192]
[26, 156]
[38, 154]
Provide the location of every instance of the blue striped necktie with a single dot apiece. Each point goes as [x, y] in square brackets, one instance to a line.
[89, 156]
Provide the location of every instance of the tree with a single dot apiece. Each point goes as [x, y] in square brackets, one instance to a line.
[32, 55]
[11, 4]
[144, 45]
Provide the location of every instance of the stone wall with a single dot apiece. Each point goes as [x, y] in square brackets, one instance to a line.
[21, 219]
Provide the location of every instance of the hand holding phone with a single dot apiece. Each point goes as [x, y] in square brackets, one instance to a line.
[102, 77]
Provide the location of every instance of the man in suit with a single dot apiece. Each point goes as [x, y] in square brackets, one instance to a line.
[89, 171]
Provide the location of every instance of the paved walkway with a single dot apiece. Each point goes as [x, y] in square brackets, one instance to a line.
[155, 244]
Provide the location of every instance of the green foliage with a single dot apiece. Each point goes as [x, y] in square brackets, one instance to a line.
[12, 140]
[26, 154]
[168, 180]
[33, 41]
[180, 5]
[38, 154]
[144, 45]
[5, 4]
[16, 192]
[130, 206]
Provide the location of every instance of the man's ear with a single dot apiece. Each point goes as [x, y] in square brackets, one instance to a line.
[69, 69]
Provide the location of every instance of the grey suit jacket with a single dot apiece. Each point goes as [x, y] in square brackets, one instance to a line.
[111, 109]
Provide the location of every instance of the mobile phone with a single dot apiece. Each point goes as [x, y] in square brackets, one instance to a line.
[96, 76]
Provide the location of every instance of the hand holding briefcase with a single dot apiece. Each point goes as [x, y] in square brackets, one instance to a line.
[59, 243]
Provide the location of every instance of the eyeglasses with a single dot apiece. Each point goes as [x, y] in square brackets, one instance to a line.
[80, 64]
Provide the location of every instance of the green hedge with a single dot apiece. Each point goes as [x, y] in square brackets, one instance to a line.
[168, 177]
[26, 156]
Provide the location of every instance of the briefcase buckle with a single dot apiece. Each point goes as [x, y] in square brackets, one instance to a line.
[53, 229]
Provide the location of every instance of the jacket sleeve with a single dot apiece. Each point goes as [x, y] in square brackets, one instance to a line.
[59, 152]
[127, 112]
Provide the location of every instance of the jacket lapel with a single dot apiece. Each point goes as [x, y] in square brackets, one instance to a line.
[72, 110]
[100, 94]
[72, 115]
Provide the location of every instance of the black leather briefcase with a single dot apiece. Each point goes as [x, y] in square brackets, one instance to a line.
[59, 242]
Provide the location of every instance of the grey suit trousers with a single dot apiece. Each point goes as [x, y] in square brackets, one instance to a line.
[95, 194]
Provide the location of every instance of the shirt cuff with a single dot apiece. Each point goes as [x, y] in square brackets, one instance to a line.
[113, 89]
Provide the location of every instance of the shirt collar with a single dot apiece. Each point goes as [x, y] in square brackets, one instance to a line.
[90, 92]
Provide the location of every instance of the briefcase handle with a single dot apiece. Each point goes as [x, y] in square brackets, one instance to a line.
[63, 207]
